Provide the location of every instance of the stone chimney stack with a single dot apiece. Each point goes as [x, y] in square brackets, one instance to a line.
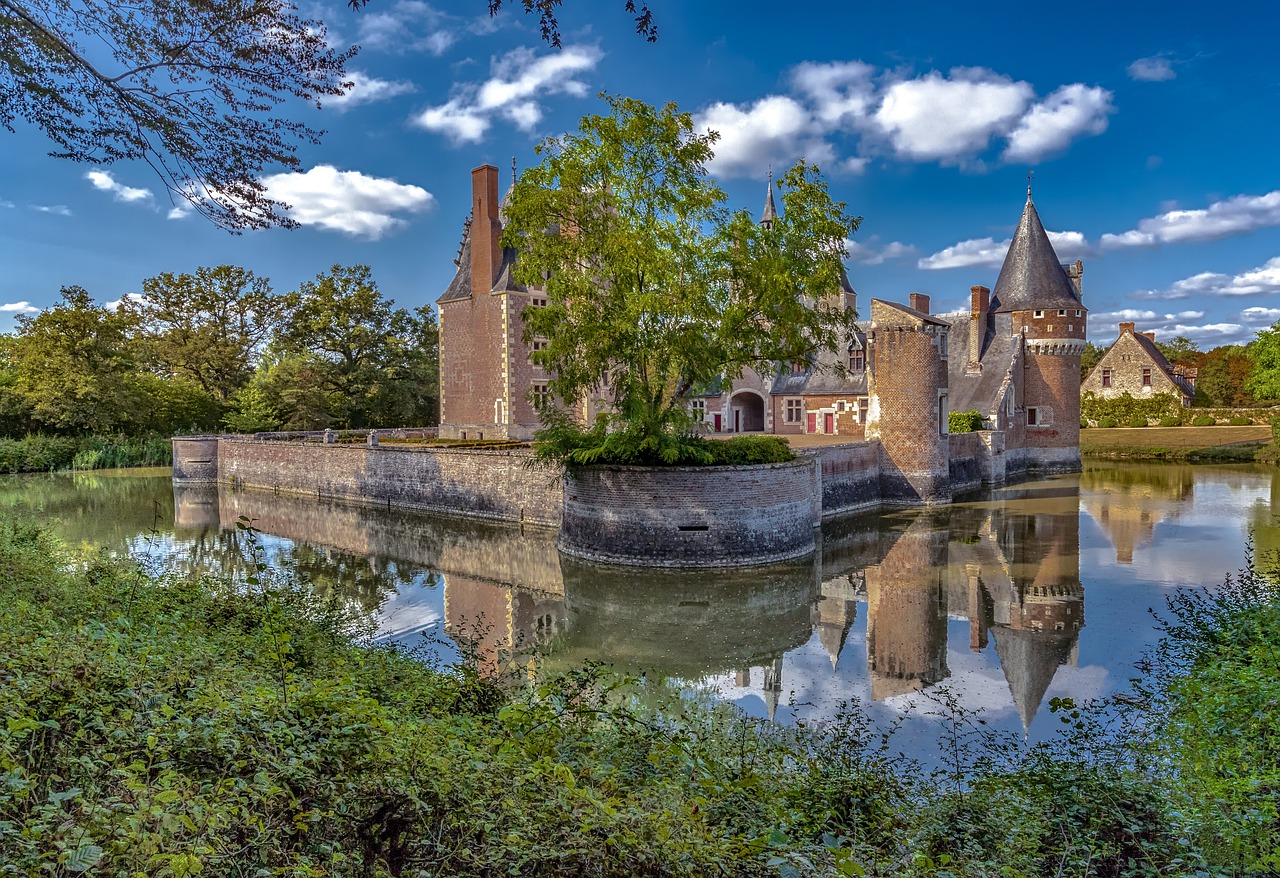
[1126, 327]
[486, 229]
[920, 302]
[1151, 336]
[980, 304]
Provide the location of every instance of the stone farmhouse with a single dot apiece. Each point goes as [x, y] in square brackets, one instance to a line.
[1014, 357]
[1134, 365]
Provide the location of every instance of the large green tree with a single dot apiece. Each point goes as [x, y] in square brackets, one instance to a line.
[1223, 377]
[211, 326]
[351, 358]
[654, 288]
[1264, 352]
[191, 88]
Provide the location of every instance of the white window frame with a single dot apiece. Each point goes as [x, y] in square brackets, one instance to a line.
[793, 405]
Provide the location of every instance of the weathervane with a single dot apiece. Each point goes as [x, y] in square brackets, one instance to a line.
[513, 170]
[1030, 174]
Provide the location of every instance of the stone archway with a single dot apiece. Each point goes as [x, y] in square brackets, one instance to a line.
[746, 412]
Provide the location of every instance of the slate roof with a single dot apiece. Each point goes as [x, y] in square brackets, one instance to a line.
[1032, 277]
[1030, 659]
[968, 392]
[912, 312]
[460, 286]
[770, 213]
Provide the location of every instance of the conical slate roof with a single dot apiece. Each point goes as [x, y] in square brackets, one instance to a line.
[1032, 277]
[1030, 659]
[770, 212]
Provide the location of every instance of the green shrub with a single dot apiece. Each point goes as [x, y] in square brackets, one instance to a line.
[964, 422]
[1136, 421]
[1125, 407]
[1203, 421]
[41, 454]
[1107, 421]
[1169, 421]
[1240, 421]
[1275, 431]
[746, 450]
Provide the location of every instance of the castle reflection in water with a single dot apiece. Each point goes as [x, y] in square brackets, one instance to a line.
[1008, 564]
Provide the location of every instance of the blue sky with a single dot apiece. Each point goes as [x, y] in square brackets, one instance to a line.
[1152, 129]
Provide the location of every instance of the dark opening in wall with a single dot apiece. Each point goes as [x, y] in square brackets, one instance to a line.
[692, 527]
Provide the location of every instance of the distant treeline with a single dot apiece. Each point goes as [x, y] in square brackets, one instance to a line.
[219, 349]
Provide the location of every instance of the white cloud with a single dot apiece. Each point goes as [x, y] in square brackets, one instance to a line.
[1157, 68]
[950, 118]
[4, 203]
[989, 252]
[1260, 315]
[19, 308]
[346, 201]
[935, 118]
[1234, 216]
[56, 209]
[407, 26]
[518, 82]
[104, 182]
[1052, 124]
[774, 130]
[127, 297]
[366, 89]
[872, 253]
[1255, 282]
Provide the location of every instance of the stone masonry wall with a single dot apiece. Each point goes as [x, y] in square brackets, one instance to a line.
[1126, 359]
[850, 477]
[469, 482]
[691, 516]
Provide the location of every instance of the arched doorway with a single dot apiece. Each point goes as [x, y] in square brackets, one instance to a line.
[746, 412]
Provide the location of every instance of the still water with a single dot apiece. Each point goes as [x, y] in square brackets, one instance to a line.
[1039, 590]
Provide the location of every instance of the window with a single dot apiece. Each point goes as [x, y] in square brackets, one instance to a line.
[538, 303]
[699, 409]
[1146, 377]
[943, 426]
[1033, 416]
[942, 345]
[857, 360]
[797, 367]
[540, 394]
[862, 410]
[1037, 314]
[1062, 312]
[794, 412]
[1106, 377]
[1077, 312]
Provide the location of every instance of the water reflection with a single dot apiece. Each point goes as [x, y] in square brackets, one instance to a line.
[985, 596]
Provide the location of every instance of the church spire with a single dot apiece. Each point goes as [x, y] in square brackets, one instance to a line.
[770, 212]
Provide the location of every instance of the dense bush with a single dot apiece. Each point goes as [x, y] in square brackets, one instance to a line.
[561, 440]
[1203, 421]
[1170, 421]
[1136, 421]
[964, 422]
[1240, 421]
[1125, 407]
[38, 453]
[1107, 422]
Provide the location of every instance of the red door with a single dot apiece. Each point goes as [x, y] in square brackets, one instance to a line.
[828, 423]
[813, 422]
[717, 419]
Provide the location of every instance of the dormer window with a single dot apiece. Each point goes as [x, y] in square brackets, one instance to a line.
[857, 360]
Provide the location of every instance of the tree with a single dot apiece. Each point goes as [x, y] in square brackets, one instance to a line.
[1264, 352]
[346, 344]
[1089, 358]
[74, 365]
[211, 326]
[191, 88]
[654, 289]
[1182, 351]
[1224, 373]
[548, 17]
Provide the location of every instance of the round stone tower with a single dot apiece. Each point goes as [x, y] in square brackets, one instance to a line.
[1041, 300]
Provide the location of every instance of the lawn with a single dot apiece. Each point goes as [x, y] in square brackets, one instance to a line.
[1102, 438]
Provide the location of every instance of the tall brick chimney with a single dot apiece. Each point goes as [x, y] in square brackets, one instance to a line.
[486, 252]
[980, 304]
[920, 302]
[1126, 327]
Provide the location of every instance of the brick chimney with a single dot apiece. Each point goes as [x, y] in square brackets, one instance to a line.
[486, 252]
[1126, 327]
[1150, 335]
[920, 302]
[979, 305]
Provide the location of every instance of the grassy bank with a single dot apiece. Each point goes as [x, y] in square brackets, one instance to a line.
[41, 454]
[1186, 444]
[175, 726]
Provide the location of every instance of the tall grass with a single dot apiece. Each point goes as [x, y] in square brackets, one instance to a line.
[38, 453]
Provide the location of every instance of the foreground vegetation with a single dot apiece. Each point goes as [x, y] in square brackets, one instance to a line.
[167, 725]
[37, 453]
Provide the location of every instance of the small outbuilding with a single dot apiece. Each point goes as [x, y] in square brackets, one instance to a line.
[1134, 365]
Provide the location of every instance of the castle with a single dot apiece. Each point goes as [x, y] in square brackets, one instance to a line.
[1014, 357]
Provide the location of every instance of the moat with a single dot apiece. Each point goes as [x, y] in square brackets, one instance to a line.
[1016, 596]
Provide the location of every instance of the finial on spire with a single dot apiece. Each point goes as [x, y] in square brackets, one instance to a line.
[1030, 173]
[770, 212]
[513, 170]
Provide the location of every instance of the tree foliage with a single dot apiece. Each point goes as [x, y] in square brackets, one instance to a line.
[1264, 380]
[1223, 378]
[548, 12]
[191, 88]
[654, 289]
[1181, 351]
